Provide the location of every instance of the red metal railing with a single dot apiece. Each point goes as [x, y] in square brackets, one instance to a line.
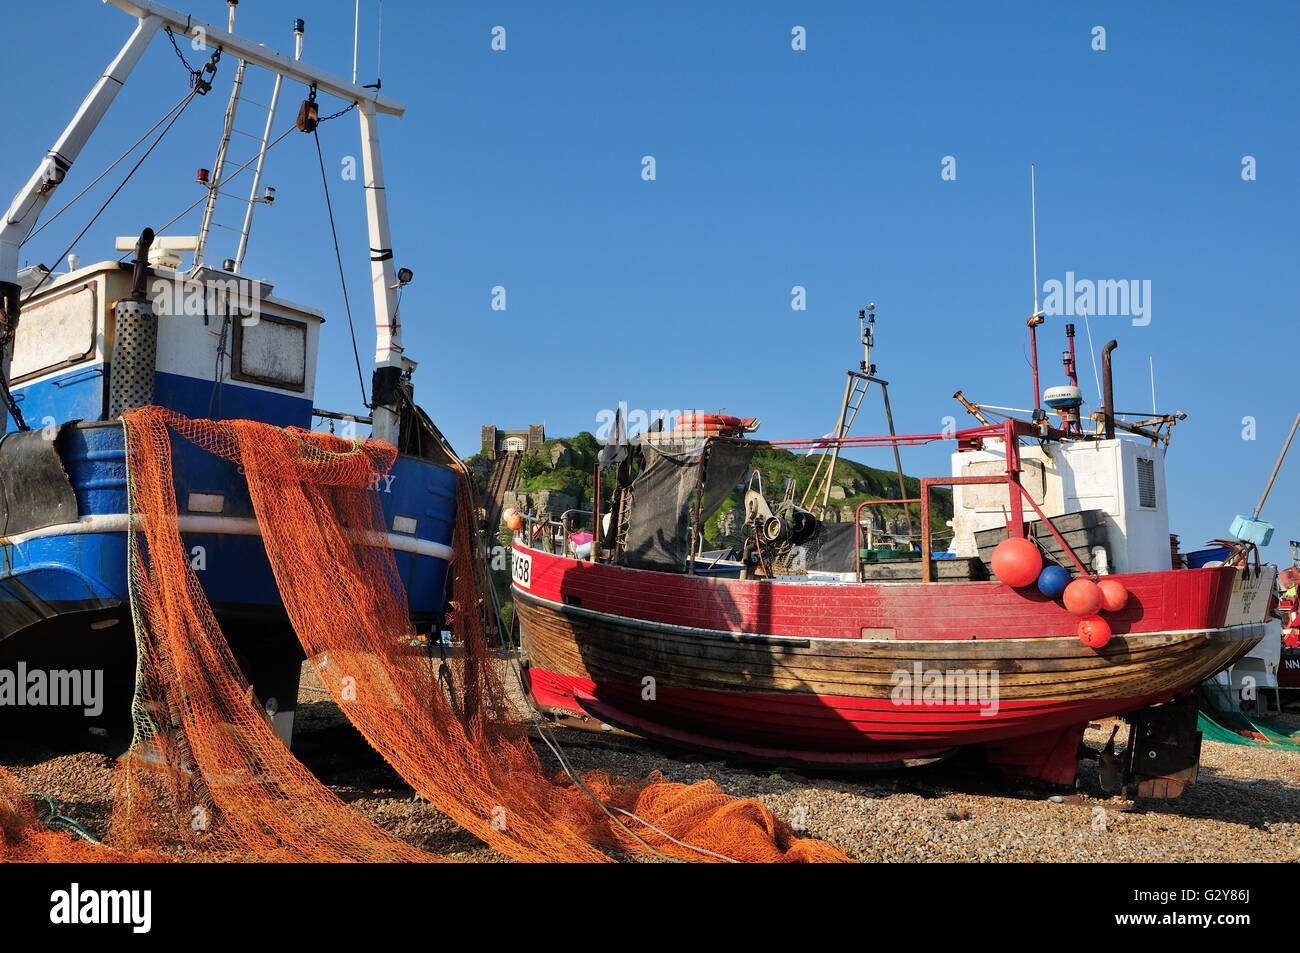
[1011, 430]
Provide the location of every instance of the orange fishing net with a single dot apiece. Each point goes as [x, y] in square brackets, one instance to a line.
[26, 838]
[208, 777]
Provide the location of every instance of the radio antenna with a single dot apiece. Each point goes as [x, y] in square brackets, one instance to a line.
[1033, 220]
[356, 29]
[1036, 318]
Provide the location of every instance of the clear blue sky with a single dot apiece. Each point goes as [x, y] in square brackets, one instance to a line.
[775, 168]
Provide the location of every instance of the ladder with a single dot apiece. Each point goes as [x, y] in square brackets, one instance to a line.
[855, 389]
[219, 178]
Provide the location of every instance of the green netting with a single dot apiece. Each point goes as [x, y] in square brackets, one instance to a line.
[1221, 719]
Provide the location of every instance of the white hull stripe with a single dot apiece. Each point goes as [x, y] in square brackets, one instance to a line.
[216, 525]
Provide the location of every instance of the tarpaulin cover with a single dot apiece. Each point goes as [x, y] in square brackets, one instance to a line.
[663, 499]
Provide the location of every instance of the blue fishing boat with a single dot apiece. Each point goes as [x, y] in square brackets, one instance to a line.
[206, 340]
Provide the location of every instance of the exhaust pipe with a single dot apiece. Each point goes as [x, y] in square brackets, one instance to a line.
[135, 340]
[1108, 389]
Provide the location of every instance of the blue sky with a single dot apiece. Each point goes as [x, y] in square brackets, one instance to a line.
[774, 168]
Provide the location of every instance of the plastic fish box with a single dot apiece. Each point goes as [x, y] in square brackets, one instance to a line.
[1250, 530]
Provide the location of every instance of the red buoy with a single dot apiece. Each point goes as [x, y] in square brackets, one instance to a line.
[1082, 597]
[1113, 594]
[1017, 562]
[1093, 631]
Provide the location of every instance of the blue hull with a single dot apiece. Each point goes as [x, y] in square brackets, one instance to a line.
[86, 571]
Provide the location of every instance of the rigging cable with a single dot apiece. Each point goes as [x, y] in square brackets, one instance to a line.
[184, 103]
[339, 257]
[36, 231]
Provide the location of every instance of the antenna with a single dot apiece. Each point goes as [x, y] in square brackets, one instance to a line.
[1151, 363]
[356, 28]
[1092, 352]
[1036, 318]
[1033, 220]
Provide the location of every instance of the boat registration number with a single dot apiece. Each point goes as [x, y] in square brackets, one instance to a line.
[521, 569]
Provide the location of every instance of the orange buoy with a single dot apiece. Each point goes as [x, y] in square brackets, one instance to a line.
[1093, 631]
[1113, 594]
[1082, 597]
[1017, 562]
[515, 521]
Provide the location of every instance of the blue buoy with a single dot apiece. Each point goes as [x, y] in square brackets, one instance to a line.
[1052, 581]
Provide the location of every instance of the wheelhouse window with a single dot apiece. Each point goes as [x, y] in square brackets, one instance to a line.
[59, 332]
[271, 351]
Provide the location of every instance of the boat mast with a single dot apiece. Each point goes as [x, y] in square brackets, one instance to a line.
[298, 28]
[30, 201]
[219, 164]
[389, 363]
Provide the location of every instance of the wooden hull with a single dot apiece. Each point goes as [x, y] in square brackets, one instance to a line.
[794, 678]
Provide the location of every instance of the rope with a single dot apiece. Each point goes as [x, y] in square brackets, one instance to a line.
[184, 104]
[57, 821]
[97, 178]
[339, 258]
[543, 731]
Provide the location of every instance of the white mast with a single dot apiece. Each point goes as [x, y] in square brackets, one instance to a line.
[298, 27]
[389, 362]
[219, 164]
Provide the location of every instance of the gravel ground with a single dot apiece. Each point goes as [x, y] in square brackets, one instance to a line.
[1245, 808]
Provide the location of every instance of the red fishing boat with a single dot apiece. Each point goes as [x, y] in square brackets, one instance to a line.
[820, 653]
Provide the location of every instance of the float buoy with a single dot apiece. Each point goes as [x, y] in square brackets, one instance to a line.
[1093, 631]
[1082, 597]
[1113, 594]
[1017, 562]
[1052, 581]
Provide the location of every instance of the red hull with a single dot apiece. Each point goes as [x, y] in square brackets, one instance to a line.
[1158, 602]
[803, 672]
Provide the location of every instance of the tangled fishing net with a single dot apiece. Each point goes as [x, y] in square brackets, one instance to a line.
[207, 776]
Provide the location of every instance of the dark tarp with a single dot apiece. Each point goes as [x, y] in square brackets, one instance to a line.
[830, 549]
[663, 499]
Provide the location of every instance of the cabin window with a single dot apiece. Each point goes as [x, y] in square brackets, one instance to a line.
[1146, 483]
[272, 351]
[56, 333]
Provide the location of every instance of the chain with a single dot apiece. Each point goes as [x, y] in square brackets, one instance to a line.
[200, 79]
[311, 98]
[337, 114]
